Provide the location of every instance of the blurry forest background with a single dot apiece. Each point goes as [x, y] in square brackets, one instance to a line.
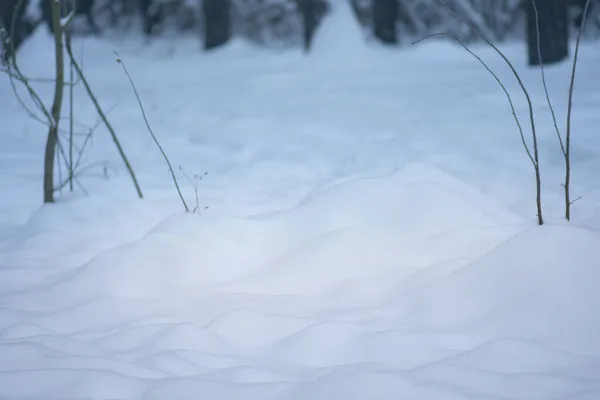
[295, 23]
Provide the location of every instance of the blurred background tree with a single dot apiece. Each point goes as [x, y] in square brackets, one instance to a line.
[294, 23]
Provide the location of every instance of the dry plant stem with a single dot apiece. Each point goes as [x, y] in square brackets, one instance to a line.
[532, 158]
[539, 51]
[535, 158]
[508, 96]
[59, 165]
[80, 150]
[139, 100]
[194, 185]
[106, 123]
[77, 174]
[87, 137]
[52, 116]
[71, 171]
[34, 96]
[19, 76]
[567, 150]
[52, 139]
[61, 151]
[34, 80]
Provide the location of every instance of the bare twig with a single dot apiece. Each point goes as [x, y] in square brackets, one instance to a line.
[71, 118]
[139, 100]
[539, 51]
[106, 123]
[81, 150]
[37, 101]
[194, 183]
[512, 107]
[534, 158]
[88, 137]
[5, 69]
[79, 172]
[61, 152]
[19, 75]
[55, 153]
[512, 68]
[59, 164]
[567, 151]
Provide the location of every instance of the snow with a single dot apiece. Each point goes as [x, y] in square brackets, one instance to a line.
[370, 230]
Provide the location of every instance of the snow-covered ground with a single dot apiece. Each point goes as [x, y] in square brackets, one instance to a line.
[370, 230]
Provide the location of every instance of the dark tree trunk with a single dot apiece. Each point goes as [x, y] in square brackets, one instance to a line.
[217, 23]
[152, 16]
[385, 15]
[553, 31]
[580, 7]
[14, 34]
[309, 12]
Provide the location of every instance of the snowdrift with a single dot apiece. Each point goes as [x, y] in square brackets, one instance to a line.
[370, 233]
[410, 285]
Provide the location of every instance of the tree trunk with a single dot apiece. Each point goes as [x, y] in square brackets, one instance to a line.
[17, 27]
[552, 17]
[308, 10]
[385, 15]
[217, 23]
[52, 140]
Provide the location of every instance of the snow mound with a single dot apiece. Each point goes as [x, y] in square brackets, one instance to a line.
[540, 279]
[358, 229]
[379, 285]
[412, 285]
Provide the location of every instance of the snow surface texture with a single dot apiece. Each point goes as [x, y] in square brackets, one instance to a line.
[370, 231]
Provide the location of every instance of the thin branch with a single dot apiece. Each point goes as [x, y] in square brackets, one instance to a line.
[32, 94]
[194, 184]
[85, 192]
[7, 71]
[106, 123]
[539, 51]
[79, 173]
[14, 64]
[82, 149]
[71, 119]
[536, 160]
[569, 112]
[512, 106]
[61, 151]
[512, 68]
[139, 100]
[58, 163]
